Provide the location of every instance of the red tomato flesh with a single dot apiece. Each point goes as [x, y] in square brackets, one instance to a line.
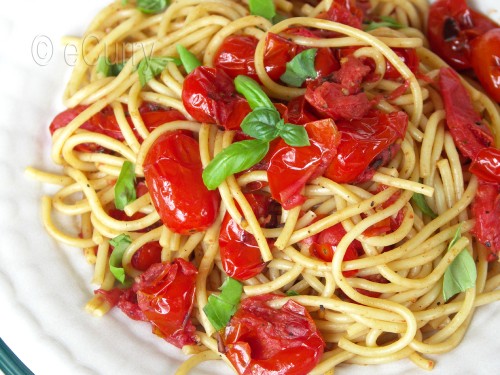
[291, 167]
[209, 95]
[239, 252]
[263, 340]
[173, 169]
[165, 293]
[485, 58]
[452, 25]
[362, 141]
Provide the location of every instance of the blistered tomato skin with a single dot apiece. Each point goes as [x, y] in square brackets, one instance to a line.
[173, 169]
[262, 340]
[452, 26]
[485, 59]
[240, 254]
[209, 95]
[165, 294]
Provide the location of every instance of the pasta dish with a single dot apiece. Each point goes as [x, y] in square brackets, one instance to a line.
[287, 186]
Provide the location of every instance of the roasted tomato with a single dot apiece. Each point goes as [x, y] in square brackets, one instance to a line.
[263, 340]
[408, 56]
[104, 122]
[209, 95]
[239, 252]
[469, 133]
[235, 56]
[173, 169]
[485, 59]
[486, 210]
[291, 167]
[345, 12]
[165, 294]
[300, 111]
[452, 25]
[326, 243]
[486, 164]
[146, 255]
[341, 96]
[363, 142]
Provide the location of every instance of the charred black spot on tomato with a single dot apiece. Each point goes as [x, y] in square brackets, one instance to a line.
[450, 29]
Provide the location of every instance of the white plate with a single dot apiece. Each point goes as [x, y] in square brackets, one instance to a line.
[44, 285]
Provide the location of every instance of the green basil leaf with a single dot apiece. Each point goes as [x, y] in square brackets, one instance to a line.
[152, 6]
[120, 244]
[252, 92]
[150, 67]
[261, 124]
[221, 308]
[125, 186]
[300, 68]
[278, 18]
[385, 21]
[461, 274]
[189, 61]
[233, 159]
[108, 69]
[421, 203]
[456, 237]
[292, 293]
[263, 8]
[294, 135]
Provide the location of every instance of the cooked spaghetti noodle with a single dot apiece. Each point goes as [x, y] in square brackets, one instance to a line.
[410, 318]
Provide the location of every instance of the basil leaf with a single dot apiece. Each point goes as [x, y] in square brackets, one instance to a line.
[385, 21]
[421, 203]
[292, 293]
[125, 186]
[294, 135]
[278, 18]
[261, 123]
[300, 68]
[150, 67]
[252, 92]
[263, 8]
[108, 69]
[233, 159]
[461, 274]
[120, 244]
[189, 61]
[221, 308]
[152, 6]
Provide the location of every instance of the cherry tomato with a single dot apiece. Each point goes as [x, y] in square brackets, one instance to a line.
[452, 25]
[469, 133]
[291, 167]
[235, 56]
[341, 96]
[239, 252]
[485, 58]
[486, 210]
[345, 12]
[326, 243]
[147, 255]
[486, 164]
[165, 294]
[104, 122]
[173, 169]
[362, 141]
[408, 56]
[263, 340]
[300, 111]
[209, 95]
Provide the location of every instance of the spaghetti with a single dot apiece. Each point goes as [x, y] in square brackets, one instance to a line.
[382, 305]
